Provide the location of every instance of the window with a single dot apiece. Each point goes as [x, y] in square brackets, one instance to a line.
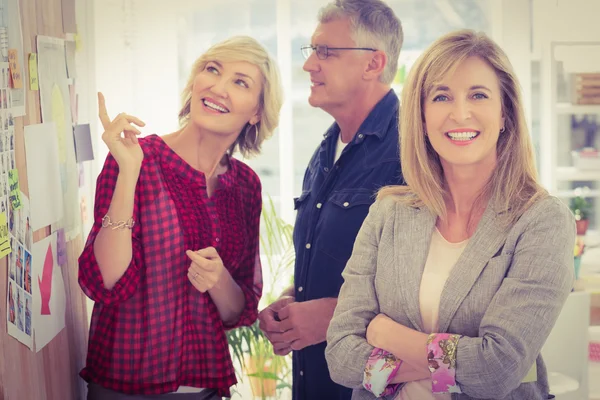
[159, 44]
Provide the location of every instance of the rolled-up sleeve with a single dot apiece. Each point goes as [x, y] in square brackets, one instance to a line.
[90, 277]
[525, 308]
[249, 275]
[347, 349]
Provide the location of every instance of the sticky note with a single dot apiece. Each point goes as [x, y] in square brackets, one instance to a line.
[83, 143]
[78, 42]
[61, 247]
[33, 72]
[15, 68]
[4, 238]
[15, 192]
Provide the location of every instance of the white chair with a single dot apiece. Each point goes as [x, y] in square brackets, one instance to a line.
[566, 350]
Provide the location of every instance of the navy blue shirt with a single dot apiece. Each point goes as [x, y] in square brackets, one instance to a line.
[334, 202]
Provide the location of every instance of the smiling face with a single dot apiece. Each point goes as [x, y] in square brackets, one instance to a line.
[225, 96]
[337, 80]
[463, 115]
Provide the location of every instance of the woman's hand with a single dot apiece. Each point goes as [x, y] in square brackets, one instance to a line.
[125, 149]
[377, 329]
[206, 269]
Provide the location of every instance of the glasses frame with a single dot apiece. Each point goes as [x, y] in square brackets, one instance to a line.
[322, 50]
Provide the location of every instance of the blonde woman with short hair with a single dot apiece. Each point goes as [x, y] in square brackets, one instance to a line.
[172, 260]
[456, 279]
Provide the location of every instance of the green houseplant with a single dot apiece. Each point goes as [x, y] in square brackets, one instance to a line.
[252, 352]
[581, 209]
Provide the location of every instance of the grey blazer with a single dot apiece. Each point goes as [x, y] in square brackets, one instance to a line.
[503, 295]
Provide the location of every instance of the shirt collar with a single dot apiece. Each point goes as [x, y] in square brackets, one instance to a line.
[378, 120]
[182, 168]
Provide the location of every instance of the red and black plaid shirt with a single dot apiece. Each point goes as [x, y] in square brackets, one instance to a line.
[153, 331]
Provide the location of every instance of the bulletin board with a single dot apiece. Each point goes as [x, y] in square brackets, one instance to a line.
[51, 373]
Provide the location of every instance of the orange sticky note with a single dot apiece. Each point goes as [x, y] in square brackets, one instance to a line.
[15, 68]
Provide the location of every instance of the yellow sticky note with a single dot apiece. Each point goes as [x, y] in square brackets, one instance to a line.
[4, 239]
[531, 375]
[58, 116]
[15, 193]
[33, 72]
[15, 68]
[78, 43]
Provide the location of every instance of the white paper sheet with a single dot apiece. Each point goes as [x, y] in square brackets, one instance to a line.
[49, 300]
[10, 16]
[19, 302]
[18, 317]
[43, 172]
[56, 107]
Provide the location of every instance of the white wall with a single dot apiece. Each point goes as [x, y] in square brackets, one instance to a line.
[572, 20]
[512, 30]
[120, 50]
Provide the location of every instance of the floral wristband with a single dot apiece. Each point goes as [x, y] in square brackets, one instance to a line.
[441, 358]
[381, 368]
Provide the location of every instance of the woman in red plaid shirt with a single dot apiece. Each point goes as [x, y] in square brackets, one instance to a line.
[172, 260]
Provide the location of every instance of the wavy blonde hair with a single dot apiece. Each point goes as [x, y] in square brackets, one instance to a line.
[513, 186]
[243, 48]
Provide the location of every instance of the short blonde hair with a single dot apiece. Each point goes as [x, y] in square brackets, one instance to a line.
[244, 48]
[513, 186]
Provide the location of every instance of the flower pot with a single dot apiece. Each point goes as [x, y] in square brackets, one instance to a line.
[582, 226]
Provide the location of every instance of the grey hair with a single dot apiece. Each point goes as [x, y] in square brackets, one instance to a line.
[374, 24]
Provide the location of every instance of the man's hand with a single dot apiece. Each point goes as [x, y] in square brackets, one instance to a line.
[269, 323]
[304, 323]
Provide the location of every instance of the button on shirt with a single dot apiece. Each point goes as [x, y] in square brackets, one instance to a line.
[335, 200]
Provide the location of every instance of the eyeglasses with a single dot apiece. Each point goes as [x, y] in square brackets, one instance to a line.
[323, 51]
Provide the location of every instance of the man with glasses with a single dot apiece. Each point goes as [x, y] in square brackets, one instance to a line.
[352, 61]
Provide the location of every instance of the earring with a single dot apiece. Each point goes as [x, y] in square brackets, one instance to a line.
[502, 130]
[255, 134]
[255, 141]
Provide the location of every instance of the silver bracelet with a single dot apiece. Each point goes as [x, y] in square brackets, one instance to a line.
[107, 223]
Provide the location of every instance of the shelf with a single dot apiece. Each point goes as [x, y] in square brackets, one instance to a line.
[574, 174]
[567, 108]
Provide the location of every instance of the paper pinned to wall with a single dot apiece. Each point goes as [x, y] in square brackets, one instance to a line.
[83, 143]
[56, 107]
[70, 59]
[4, 238]
[61, 247]
[15, 192]
[19, 313]
[19, 301]
[45, 190]
[49, 300]
[10, 12]
[15, 69]
[33, 74]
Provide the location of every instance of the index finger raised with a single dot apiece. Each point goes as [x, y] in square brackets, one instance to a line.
[102, 113]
